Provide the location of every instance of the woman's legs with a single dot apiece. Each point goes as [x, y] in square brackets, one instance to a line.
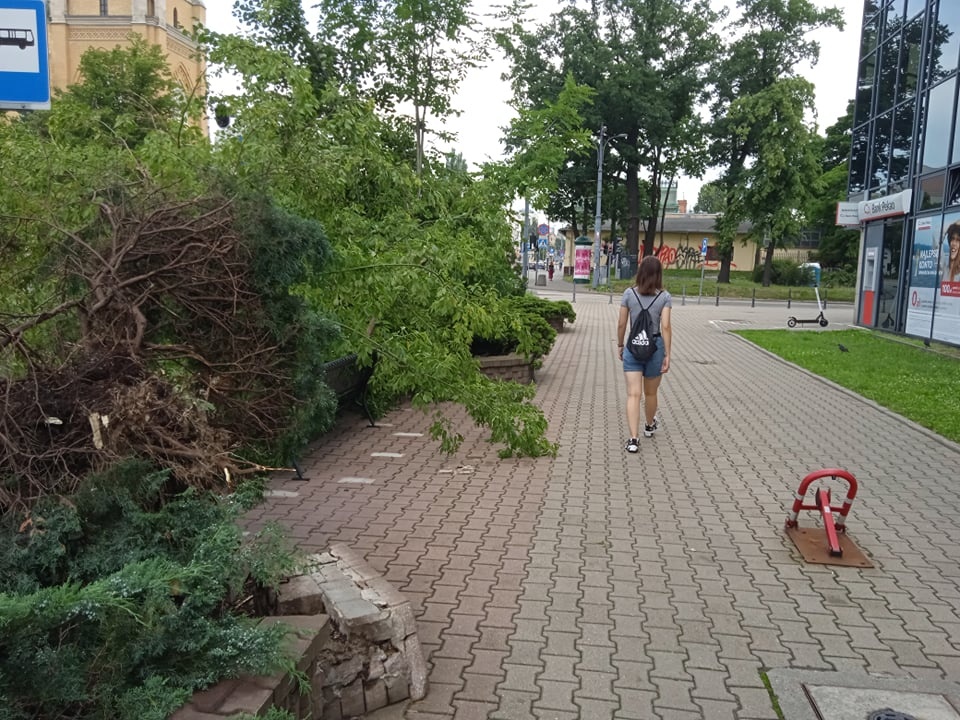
[650, 387]
[635, 383]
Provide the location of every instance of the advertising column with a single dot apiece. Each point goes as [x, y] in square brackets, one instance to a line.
[581, 260]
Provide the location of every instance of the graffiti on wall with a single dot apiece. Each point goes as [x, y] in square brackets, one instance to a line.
[682, 257]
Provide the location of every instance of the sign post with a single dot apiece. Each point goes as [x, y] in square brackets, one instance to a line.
[703, 265]
[24, 70]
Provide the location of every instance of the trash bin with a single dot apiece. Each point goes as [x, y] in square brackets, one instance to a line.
[628, 267]
[583, 250]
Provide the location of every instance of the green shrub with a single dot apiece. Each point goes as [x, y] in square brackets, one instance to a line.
[841, 277]
[785, 272]
[124, 599]
[547, 309]
[522, 328]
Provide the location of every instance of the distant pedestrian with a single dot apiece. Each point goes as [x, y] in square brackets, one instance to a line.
[550, 269]
[643, 377]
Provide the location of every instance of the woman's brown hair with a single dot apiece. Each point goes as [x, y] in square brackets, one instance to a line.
[650, 276]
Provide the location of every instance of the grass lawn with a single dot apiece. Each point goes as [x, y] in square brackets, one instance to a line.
[900, 374]
[741, 285]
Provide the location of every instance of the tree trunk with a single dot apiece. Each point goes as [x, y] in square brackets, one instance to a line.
[633, 211]
[768, 266]
[724, 275]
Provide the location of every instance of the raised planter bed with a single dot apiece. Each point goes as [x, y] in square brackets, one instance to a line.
[507, 367]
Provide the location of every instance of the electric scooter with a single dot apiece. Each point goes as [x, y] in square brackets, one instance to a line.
[819, 319]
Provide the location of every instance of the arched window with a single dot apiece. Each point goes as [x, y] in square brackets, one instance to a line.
[176, 19]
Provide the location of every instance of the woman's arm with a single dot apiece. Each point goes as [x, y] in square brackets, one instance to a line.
[622, 321]
[666, 332]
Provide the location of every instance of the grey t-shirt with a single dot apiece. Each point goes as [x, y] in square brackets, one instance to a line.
[629, 301]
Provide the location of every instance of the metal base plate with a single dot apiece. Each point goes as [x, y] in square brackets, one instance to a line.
[843, 703]
[812, 544]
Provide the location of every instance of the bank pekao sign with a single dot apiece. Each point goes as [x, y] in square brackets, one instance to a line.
[884, 207]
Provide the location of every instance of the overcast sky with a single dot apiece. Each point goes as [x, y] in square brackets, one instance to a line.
[483, 96]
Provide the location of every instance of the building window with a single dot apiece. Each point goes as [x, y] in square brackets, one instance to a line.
[931, 192]
[151, 8]
[910, 60]
[858, 160]
[887, 76]
[176, 19]
[868, 39]
[954, 197]
[104, 10]
[946, 40]
[902, 144]
[865, 86]
[880, 155]
[939, 121]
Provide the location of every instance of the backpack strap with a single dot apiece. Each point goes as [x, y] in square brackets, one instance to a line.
[640, 302]
[655, 298]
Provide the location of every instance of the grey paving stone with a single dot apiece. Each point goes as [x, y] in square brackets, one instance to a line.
[676, 582]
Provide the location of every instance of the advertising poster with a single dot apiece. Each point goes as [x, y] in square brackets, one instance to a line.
[581, 264]
[946, 315]
[923, 276]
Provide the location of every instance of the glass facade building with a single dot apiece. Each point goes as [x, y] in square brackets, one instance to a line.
[905, 167]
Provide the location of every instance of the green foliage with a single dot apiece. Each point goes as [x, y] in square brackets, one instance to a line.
[286, 250]
[710, 199]
[758, 130]
[521, 328]
[125, 94]
[547, 309]
[785, 272]
[403, 53]
[846, 277]
[838, 246]
[644, 62]
[121, 601]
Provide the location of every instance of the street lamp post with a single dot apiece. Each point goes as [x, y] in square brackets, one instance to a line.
[601, 143]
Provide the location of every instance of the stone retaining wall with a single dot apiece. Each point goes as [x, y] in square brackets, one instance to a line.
[356, 641]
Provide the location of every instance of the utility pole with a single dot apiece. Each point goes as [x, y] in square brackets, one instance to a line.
[601, 143]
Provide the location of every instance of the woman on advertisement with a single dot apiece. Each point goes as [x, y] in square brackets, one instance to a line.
[950, 256]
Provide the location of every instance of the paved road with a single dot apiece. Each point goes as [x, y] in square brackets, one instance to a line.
[655, 586]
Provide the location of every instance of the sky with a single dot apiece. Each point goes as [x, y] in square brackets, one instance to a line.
[484, 97]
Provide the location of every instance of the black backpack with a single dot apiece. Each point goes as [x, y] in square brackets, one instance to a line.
[642, 342]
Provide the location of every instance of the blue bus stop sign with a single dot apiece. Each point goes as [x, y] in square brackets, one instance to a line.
[24, 71]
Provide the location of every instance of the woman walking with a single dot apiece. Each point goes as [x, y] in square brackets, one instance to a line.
[643, 376]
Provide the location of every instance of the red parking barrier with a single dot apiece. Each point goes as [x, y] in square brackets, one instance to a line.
[822, 505]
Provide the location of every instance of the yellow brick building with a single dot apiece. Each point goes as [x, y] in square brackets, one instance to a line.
[74, 26]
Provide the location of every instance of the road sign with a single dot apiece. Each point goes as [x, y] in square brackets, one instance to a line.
[24, 72]
[703, 248]
[543, 229]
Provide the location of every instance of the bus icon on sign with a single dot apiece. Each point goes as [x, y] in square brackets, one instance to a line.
[18, 37]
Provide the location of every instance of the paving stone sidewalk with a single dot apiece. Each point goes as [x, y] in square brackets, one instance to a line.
[599, 584]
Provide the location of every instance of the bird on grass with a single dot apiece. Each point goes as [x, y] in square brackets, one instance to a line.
[843, 348]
